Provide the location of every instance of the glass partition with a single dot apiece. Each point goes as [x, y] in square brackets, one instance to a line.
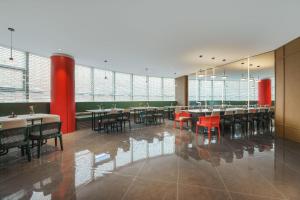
[234, 83]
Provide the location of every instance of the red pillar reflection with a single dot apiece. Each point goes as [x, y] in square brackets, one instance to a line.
[62, 90]
[264, 92]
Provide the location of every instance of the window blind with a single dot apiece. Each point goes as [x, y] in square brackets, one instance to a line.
[192, 90]
[139, 88]
[168, 89]
[155, 89]
[12, 76]
[39, 78]
[83, 83]
[122, 87]
[103, 87]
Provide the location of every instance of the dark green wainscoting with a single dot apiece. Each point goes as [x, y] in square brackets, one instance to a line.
[83, 106]
[23, 108]
[44, 107]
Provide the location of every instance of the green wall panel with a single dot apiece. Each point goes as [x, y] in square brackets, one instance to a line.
[23, 108]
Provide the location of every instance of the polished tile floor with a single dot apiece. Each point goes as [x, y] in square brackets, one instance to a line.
[156, 162]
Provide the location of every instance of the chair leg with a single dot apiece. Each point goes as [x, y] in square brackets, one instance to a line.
[208, 132]
[22, 151]
[197, 129]
[219, 132]
[28, 152]
[39, 148]
[61, 143]
[55, 141]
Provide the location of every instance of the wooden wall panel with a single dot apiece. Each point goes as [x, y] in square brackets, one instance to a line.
[279, 91]
[181, 90]
[287, 72]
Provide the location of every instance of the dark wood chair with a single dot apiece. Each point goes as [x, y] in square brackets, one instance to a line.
[50, 128]
[227, 120]
[14, 134]
[148, 116]
[159, 116]
[110, 121]
[125, 117]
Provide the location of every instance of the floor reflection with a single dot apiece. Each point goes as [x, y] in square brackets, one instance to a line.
[156, 162]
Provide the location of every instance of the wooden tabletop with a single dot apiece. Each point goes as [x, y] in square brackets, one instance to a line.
[27, 117]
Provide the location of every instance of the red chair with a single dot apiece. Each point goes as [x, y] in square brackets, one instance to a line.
[181, 117]
[209, 122]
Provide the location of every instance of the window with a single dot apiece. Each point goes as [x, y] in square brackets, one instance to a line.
[103, 87]
[155, 89]
[232, 90]
[243, 90]
[39, 78]
[218, 87]
[192, 90]
[19, 58]
[122, 87]
[205, 90]
[12, 76]
[139, 88]
[83, 83]
[169, 89]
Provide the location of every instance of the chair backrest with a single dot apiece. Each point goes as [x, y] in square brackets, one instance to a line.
[210, 120]
[178, 115]
[13, 132]
[49, 125]
[185, 114]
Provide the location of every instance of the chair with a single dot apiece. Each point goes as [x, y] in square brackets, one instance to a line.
[159, 116]
[209, 122]
[227, 119]
[148, 116]
[125, 117]
[110, 120]
[13, 134]
[181, 117]
[240, 117]
[50, 128]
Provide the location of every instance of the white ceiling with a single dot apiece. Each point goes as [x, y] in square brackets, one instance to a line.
[166, 36]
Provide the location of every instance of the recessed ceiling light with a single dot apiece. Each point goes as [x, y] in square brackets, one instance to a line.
[200, 56]
[213, 58]
[251, 64]
[257, 66]
[59, 49]
[224, 60]
[213, 76]
[242, 63]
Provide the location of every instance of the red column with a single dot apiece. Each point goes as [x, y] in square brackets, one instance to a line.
[264, 92]
[62, 90]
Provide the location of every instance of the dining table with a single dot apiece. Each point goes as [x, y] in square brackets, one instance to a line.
[31, 118]
[97, 112]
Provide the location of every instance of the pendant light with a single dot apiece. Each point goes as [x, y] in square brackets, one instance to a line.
[11, 46]
[224, 76]
[213, 75]
[243, 78]
[105, 77]
[147, 75]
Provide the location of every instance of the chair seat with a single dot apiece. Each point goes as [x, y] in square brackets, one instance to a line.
[47, 132]
[184, 118]
[10, 141]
